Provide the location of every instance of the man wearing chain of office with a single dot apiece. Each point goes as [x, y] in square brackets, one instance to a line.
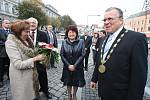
[121, 65]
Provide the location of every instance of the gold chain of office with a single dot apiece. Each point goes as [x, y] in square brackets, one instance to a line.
[102, 67]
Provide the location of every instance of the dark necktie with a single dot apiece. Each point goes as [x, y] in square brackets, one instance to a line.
[7, 31]
[32, 35]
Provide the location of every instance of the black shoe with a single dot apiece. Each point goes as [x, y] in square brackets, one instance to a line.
[86, 69]
[40, 90]
[48, 96]
[54, 67]
[36, 99]
[1, 84]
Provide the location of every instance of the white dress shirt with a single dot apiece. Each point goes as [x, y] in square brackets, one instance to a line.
[35, 35]
[110, 41]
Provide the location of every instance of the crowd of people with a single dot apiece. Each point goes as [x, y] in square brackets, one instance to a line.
[119, 59]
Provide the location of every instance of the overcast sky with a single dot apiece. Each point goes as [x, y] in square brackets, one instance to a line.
[78, 10]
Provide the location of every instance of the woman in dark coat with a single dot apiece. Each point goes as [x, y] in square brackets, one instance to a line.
[72, 54]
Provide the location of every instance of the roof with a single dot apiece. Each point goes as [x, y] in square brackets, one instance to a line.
[139, 14]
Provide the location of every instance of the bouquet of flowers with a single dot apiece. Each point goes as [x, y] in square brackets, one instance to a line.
[48, 50]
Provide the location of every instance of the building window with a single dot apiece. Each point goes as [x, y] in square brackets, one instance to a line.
[14, 11]
[1, 6]
[6, 7]
[137, 29]
[148, 28]
[142, 29]
[130, 23]
[142, 22]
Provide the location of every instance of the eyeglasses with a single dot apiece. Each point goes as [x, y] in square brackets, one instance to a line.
[110, 19]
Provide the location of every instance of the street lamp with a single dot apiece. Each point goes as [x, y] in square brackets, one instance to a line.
[89, 16]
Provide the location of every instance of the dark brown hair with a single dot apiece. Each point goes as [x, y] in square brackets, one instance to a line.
[17, 27]
[72, 28]
[103, 31]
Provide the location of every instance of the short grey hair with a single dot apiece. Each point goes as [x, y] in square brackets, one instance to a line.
[120, 12]
[5, 20]
[32, 19]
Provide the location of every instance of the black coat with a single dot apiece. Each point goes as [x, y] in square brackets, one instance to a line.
[41, 36]
[87, 42]
[99, 43]
[41, 68]
[3, 37]
[73, 54]
[126, 70]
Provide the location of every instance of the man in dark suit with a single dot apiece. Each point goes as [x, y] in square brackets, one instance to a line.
[87, 41]
[4, 60]
[121, 66]
[52, 39]
[39, 36]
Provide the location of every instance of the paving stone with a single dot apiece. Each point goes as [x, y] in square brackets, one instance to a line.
[52, 91]
[58, 93]
[3, 96]
[3, 99]
[62, 90]
[56, 87]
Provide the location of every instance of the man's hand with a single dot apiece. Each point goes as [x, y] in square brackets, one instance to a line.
[93, 85]
[85, 49]
[71, 67]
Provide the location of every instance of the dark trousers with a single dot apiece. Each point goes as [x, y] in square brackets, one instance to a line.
[86, 58]
[42, 76]
[117, 96]
[52, 61]
[94, 56]
[4, 65]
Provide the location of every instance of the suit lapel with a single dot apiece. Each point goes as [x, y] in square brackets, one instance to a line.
[4, 33]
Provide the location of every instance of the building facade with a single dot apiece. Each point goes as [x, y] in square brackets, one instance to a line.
[51, 11]
[8, 9]
[139, 22]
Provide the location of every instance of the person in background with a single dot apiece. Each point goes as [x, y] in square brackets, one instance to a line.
[72, 55]
[102, 35]
[4, 60]
[95, 38]
[39, 36]
[87, 41]
[52, 39]
[22, 71]
[121, 65]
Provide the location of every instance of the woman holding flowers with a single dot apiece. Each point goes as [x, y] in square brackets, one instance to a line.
[72, 54]
[22, 72]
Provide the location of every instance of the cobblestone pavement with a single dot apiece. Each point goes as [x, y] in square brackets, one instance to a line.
[5, 93]
[147, 88]
[56, 87]
[59, 92]
[87, 93]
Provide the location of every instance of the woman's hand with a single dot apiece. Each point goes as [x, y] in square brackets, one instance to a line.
[39, 57]
[93, 85]
[71, 67]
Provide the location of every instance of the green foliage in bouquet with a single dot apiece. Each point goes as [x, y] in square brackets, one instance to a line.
[55, 55]
[49, 51]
